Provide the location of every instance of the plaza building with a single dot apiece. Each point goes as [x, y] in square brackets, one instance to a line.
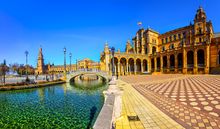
[191, 49]
[85, 64]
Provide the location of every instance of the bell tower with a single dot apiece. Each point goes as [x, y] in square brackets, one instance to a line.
[200, 26]
[40, 62]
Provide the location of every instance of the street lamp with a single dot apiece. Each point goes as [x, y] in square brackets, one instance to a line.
[26, 54]
[70, 60]
[4, 71]
[64, 50]
[76, 64]
[113, 64]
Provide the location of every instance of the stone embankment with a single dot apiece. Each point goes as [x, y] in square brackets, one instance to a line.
[111, 109]
[5, 88]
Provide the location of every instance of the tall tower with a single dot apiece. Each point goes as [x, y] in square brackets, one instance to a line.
[40, 62]
[200, 27]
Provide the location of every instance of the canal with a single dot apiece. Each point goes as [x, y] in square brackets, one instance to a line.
[59, 106]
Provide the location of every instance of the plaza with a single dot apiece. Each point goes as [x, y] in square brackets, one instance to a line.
[110, 64]
[170, 101]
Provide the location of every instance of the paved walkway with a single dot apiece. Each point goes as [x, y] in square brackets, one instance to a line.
[192, 100]
[139, 113]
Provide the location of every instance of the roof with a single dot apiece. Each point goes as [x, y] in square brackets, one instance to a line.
[176, 30]
[217, 35]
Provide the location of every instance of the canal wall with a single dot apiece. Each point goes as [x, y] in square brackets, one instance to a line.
[112, 107]
[6, 88]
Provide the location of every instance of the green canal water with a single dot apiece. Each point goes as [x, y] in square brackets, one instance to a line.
[60, 106]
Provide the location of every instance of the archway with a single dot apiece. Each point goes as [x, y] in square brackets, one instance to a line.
[190, 60]
[138, 66]
[219, 57]
[152, 64]
[115, 65]
[131, 65]
[172, 61]
[123, 66]
[165, 62]
[180, 60]
[154, 49]
[145, 67]
[158, 63]
[201, 58]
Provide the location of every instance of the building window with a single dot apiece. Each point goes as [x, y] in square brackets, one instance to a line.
[171, 46]
[163, 48]
[184, 34]
[179, 36]
[162, 41]
[170, 38]
[200, 40]
[166, 40]
[174, 37]
[200, 30]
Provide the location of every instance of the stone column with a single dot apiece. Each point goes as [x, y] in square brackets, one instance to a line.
[207, 59]
[161, 63]
[135, 68]
[184, 61]
[176, 63]
[127, 68]
[119, 69]
[168, 63]
[155, 64]
[149, 65]
[195, 68]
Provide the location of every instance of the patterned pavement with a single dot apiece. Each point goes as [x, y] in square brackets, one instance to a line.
[139, 113]
[190, 100]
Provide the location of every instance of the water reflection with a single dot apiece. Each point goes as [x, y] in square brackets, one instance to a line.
[60, 106]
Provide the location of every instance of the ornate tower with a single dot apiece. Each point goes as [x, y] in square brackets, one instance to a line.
[40, 62]
[200, 26]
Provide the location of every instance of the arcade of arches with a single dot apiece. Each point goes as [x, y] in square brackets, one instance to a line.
[194, 61]
[176, 62]
[129, 66]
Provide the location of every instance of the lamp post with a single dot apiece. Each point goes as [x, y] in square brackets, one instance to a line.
[113, 62]
[76, 64]
[70, 60]
[3, 71]
[64, 50]
[26, 54]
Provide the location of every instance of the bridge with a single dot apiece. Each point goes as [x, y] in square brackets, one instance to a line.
[74, 74]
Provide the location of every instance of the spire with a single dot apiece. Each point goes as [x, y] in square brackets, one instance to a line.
[106, 49]
[200, 14]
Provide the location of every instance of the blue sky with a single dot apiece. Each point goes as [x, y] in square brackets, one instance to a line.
[83, 26]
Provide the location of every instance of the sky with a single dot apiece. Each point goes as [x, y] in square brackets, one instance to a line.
[83, 26]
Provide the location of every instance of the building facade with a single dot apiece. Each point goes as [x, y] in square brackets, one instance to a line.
[85, 64]
[190, 49]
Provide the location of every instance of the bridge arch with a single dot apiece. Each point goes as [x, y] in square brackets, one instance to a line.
[71, 76]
